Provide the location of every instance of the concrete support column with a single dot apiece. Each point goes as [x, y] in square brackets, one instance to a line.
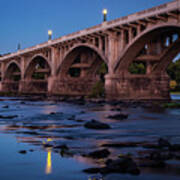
[149, 67]
[54, 59]
[112, 50]
[130, 34]
[144, 87]
[122, 40]
[100, 44]
[21, 82]
[138, 29]
[2, 71]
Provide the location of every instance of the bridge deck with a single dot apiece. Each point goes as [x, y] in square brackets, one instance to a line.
[99, 29]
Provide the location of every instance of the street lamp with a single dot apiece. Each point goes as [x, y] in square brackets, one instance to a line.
[104, 15]
[50, 34]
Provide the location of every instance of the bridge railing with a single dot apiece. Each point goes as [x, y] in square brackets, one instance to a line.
[120, 21]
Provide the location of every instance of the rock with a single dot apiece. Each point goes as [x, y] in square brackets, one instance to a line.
[23, 152]
[72, 117]
[66, 153]
[82, 112]
[8, 117]
[121, 165]
[52, 113]
[63, 146]
[118, 116]
[116, 109]
[99, 154]
[96, 177]
[174, 147]
[152, 163]
[47, 145]
[5, 107]
[93, 124]
[151, 146]
[79, 120]
[92, 170]
[160, 155]
[121, 144]
[31, 150]
[163, 143]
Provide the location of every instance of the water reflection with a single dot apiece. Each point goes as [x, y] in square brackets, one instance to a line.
[49, 160]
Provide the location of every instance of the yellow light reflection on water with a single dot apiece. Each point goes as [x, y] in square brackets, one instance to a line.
[49, 160]
[49, 163]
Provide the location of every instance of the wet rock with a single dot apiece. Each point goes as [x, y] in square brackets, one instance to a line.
[116, 109]
[22, 102]
[176, 155]
[92, 170]
[79, 120]
[121, 145]
[93, 124]
[8, 117]
[72, 118]
[66, 153]
[22, 151]
[104, 153]
[82, 112]
[118, 116]
[122, 165]
[174, 147]
[5, 107]
[151, 146]
[63, 146]
[160, 155]
[163, 143]
[31, 150]
[152, 163]
[47, 145]
[52, 113]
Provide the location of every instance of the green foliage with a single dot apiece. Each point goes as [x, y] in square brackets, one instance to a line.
[103, 69]
[137, 68]
[173, 71]
[38, 76]
[98, 90]
[172, 105]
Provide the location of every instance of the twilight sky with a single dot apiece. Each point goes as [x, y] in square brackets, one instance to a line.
[27, 21]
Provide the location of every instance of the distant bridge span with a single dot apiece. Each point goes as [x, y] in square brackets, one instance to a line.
[70, 64]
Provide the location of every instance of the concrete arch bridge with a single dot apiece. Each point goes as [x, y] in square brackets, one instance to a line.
[70, 64]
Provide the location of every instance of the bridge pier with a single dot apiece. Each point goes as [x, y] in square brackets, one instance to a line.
[137, 87]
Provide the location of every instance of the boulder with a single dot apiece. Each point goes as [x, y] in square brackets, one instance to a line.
[93, 124]
[99, 154]
[120, 116]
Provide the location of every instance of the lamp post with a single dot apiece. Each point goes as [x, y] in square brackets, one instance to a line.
[49, 35]
[104, 15]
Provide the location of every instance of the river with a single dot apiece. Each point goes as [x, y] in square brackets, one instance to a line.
[28, 138]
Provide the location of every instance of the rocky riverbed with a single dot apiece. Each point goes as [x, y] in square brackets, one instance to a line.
[79, 140]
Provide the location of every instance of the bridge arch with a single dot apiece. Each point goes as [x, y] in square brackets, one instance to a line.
[11, 67]
[81, 70]
[36, 75]
[12, 77]
[79, 45]
[38, 58]
[132, 49]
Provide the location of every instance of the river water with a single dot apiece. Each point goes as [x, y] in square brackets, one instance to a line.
[27, 141]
